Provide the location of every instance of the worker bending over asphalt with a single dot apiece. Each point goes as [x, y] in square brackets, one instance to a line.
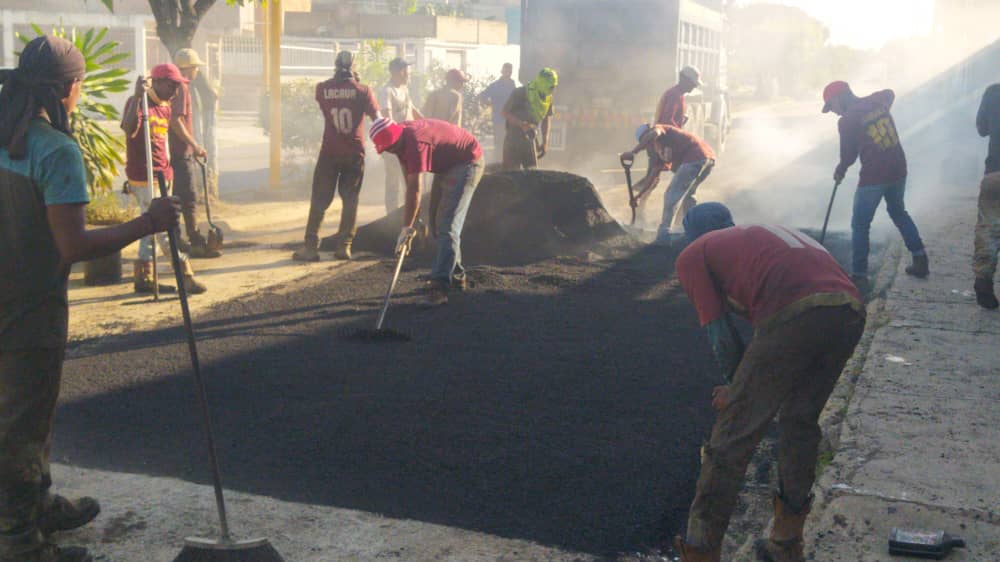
[527, 109]
[43, 192]
[868, 130]
[670, 148]
[987, 243]
[167, 80]
[807, 318]
[343, 102]
[455, 158]
[671, 109]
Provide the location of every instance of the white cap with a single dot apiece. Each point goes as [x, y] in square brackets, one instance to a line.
[692, 74]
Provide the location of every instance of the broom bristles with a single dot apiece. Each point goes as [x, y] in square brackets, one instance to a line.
[202, 550]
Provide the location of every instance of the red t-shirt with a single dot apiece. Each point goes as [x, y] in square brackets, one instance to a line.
[344, 104]
[684, 147]
[432, 145]
[760, 269]
[670, 110]
[135, 146]
[180, 108]
[868, 130]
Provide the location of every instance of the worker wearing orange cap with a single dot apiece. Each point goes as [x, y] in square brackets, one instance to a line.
[868, 131]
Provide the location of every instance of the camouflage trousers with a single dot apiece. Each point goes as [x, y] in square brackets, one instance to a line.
[789, 370]
[29, 388]
[984, 257]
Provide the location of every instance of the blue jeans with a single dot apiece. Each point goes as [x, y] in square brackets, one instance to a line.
[685, 182]
[866, 202]
[456, 187]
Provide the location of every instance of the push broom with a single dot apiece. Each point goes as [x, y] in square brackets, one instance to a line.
[225, 548]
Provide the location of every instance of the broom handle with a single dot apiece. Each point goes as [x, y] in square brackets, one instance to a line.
[149, 184]
[175, 256]
[392, 285]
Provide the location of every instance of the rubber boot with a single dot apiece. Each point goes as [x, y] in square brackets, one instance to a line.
[985, 295]
[920, 267]
[309, 251]
[142, 278]
[343, 250]
[691, 554]
[192, 285]
[61, 514]
[785, 542]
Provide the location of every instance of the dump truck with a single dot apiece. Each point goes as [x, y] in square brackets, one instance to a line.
[615, 59]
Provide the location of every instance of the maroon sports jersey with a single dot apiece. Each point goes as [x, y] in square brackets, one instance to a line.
[760, 269]
[432, 145]
[135, 147]
[868, 130]
[344, 104]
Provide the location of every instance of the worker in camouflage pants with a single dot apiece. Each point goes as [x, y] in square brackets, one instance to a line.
[984, 260]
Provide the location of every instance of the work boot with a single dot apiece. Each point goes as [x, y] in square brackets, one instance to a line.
[437, 292]
[191, 285]
[785, 542]
[920, 267]
[985, 295]
[61, 514]
[343, 250]
[199, 248]
[691, 554]
[31, 546]
[309, 251]
[142, 279]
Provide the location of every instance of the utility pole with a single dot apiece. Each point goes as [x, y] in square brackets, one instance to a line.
[274, 29]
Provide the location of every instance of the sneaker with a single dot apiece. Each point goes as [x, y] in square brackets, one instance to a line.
[985, 295]
[202, 251]
[437, 293]
[920, 267]
[61, 514]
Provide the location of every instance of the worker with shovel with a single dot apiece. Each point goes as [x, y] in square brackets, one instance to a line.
[344, 103]
[670, 148]
[807, 317]
[455, 158]
[166, 81]
[43, 193]
[184, 150]
[529, 113]
[868, 131]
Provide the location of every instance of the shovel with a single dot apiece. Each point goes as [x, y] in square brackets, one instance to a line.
[826, 221]
[627, 161]
[214, 240]
[380, 334]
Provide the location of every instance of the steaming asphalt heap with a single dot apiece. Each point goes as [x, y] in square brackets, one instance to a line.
[560, 399]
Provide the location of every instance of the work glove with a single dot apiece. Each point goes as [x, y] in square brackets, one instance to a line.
[405, 238]
[164, 213]
[720, 397]
[838, 174]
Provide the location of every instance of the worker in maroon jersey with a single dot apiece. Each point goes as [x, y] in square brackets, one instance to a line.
[807, 318]
[344, 103]
[670, 148]
[671, 109]
[868, 131]
[455, 158]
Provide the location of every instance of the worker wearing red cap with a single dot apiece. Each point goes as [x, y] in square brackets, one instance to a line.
[455, 158]
[445, 103]
[166, 82]
[868, 131]
[344, 102]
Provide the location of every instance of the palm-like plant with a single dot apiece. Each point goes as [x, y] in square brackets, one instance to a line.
[102, 152]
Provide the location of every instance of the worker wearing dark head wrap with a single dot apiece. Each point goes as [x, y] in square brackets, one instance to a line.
[43, 195]
[47, 71]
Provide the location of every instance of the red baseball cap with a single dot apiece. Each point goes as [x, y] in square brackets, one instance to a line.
[170, 72]
[384, 133]
[832, 91]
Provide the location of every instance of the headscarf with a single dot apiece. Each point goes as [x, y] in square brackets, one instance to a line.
[46, 67]
[539, 93]
[706, 217]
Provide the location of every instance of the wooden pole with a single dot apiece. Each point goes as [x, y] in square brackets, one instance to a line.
[274, 86]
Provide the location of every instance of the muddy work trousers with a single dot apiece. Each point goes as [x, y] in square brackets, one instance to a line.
[187, 185]
[788, 370]
[333, 174]
[987, 244]
[29, 388]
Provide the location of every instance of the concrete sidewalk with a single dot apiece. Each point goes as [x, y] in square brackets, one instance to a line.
[919, 444]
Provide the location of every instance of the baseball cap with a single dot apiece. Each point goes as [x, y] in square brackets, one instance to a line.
[345, 59]
[384, 133]
[832, 91]
[398, 64]
[692, 74]
[184, 58]
[457, 75]
[641, 130]
[170, 72]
